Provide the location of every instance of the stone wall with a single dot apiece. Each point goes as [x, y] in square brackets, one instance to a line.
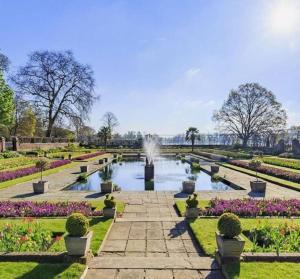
[44, 146]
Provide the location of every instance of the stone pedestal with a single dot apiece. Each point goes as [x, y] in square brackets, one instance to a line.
[214, 169]
[78, 246]
[40, 187]
[191, 212]
[109, 212]
[188, 187]
[106, 187]
[149, 172]
[258, 186]
[2, 144]
[84, 168]
[100, 161]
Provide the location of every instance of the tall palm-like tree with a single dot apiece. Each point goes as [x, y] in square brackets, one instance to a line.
[105, 135]
[191, 135]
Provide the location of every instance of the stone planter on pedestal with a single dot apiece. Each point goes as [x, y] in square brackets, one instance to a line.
[100, 161]
[109, 212]
[258, 186]
[105, 160]
[230, 248]
[78, 246]
[214, 169]
[188, 187]
[84, 168]
[106, 187]
[40, 187]
[191, 212]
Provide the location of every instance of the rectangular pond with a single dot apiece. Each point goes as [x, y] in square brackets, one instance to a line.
[169, 174]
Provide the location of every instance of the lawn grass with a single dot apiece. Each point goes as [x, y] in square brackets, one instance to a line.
[204, 230]
[12, 182]
[262, 270]
[33, 270]
[180, 204]
[99, 226]
[100, 205]
[272, 179]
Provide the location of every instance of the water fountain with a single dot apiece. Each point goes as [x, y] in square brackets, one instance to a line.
[152, 150]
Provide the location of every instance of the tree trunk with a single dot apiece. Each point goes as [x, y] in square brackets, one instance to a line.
[245, 142]
[49, 129]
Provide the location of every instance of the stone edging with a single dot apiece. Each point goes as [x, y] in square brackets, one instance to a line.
[44, 257]
[271, 257]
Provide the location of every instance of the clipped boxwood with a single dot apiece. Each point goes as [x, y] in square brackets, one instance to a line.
[109, 202]
[77, 225]
[229, 225]
[192, 201]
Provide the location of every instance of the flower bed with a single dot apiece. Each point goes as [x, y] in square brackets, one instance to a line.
[226, 153]
[282, 238]
[88, 156]
[25, 237]
[293, 164]
[9, 175]
[280, 173]
[10, 163]
[253, 208]
[45, 209]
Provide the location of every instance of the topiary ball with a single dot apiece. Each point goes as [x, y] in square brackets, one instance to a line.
[77, 225]
[229, 225]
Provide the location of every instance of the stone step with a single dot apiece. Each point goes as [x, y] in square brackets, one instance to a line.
[193, 263]
[150, 219]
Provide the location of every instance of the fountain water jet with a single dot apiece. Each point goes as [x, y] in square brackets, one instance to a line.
[152, 150]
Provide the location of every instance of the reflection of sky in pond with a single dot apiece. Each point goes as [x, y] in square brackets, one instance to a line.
[169, 174]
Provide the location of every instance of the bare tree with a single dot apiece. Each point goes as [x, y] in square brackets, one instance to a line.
[250, 110]
[57, 84]
[4, 62]
[110, 121]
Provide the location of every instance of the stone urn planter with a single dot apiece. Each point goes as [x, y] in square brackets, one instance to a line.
[214, 169]
[188, 187]
[230, 244]
[105, 160]
[230, 247]
[191, 212]
[78, 246]
[107, 187]
[109, 212]
[79, 237]
[40, 187]
[100, 161]
[258, 186]
[84, 168]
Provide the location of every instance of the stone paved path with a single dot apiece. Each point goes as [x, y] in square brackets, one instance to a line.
[151, 241]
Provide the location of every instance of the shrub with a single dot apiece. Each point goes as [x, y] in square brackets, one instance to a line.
[77, 225]
[82, 177]
[195, 166]
[109, 201]
[255, 165]
[216, 178]
[192, 201]
[229, 225]
[9, 154]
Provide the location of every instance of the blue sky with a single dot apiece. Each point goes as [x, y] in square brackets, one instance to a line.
[162, 66]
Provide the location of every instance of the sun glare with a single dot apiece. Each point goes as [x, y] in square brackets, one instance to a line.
[284, 17]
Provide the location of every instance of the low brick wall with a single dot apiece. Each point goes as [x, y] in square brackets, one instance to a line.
[44, 146]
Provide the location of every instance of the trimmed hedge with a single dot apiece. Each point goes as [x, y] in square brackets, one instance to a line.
[293, 164]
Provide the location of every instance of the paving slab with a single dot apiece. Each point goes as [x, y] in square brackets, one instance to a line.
[101, 274]
[134, 245]
[156, 246]
[114, 245]
[174, 245]
[155, 234]
[159, 274]
[184, 274]
[137, 233]
[197, 263]
[131, 274]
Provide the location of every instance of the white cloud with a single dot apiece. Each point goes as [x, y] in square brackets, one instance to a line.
[192, 72]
